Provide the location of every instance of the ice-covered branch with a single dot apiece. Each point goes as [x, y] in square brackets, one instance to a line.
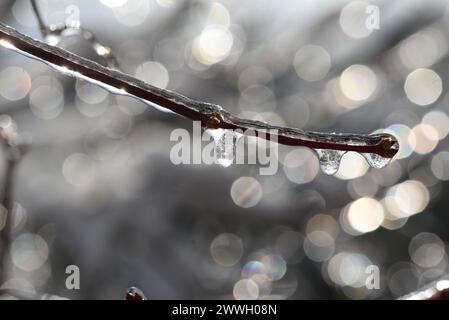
[378, 149]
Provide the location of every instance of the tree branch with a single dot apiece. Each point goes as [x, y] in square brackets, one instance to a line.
[54, 33]
[7, 206]
[42, 26]
[13, 147]
[437, 290]
[134, 293]
[211, 116]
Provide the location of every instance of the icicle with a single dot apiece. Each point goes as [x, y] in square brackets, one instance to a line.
[329, 160]
[225, 143]
[376, 161]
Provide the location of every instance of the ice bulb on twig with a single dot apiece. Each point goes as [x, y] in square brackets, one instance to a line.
[329, 160]
[225, 145]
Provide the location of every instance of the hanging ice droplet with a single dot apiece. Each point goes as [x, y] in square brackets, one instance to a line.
[329, 160]
[375, 160]
[225, 145]
[390, 144]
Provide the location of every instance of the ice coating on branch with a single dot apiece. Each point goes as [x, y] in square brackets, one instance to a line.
[378, 149]
[203, 107]
[376, 161]
[225, 145]
[329, 160]
[389, 142]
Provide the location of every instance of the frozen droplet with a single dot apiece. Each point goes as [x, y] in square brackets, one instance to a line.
[53, 39]
[329, 160]
[225, 142]
[375, 160]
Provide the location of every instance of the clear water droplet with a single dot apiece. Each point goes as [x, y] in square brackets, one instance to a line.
[225, 145]
[329, 160]
[375, 160]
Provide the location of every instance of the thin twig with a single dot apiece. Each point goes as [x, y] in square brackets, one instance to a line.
[13, 148]
[134, 293]
[42, 26]
[56, 32]
[7, 206]
[210, 115]
[437, 290]
[21, 294]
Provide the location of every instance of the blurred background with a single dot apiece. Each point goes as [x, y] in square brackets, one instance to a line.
[97, 188]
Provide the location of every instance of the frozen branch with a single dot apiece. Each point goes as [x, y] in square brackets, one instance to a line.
[378, 149]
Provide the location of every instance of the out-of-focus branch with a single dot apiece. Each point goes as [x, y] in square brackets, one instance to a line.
[211, 116]
[27, 295]
[42, 26]
[438, 290]
[134, 293]
[54, 34]
[13, 147]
